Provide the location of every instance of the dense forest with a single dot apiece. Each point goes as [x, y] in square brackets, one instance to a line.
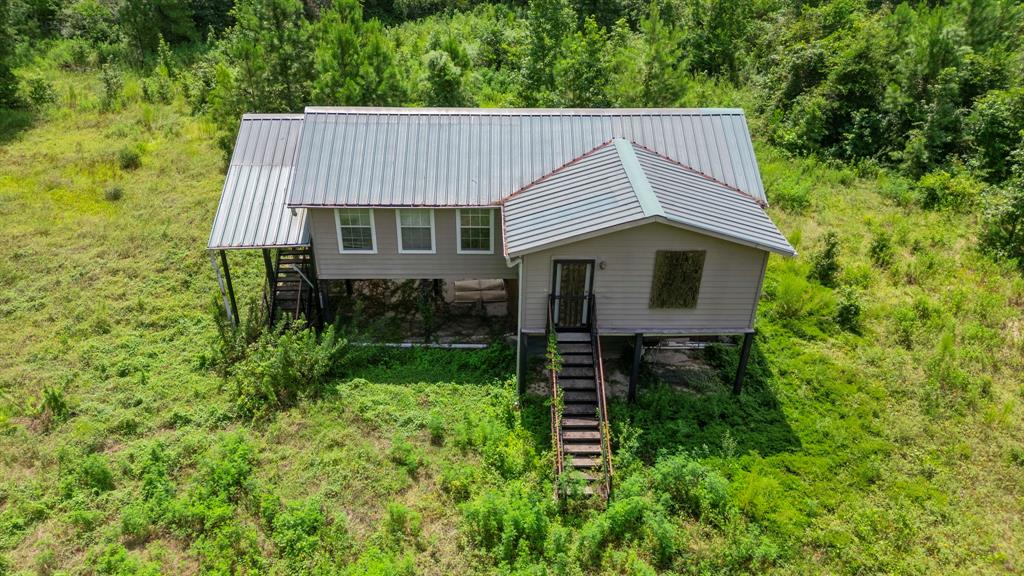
[880, 427]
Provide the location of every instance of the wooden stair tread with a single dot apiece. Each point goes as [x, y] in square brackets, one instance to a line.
[575, 348]
[580, 423]
[575, 337]
[577, 384]
[584, 462]
[580, 409]
[588, 448]
[581, 396]
[594, 434]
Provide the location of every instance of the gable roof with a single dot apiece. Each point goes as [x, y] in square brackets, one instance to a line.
[475, 157]
[253, 211]
[621, 184]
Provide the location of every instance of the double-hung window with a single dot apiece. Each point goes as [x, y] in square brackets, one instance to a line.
[475, 230]
[416, 231]
[356, 232]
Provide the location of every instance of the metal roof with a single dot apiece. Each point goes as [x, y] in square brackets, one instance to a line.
[622, 183]
[253, 211]
[475, 157]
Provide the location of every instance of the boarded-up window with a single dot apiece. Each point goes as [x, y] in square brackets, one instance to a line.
[676, 279]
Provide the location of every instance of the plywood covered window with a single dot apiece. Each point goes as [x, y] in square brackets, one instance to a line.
[676, 282]
[475, 230]
[356, 232]
[416, 231]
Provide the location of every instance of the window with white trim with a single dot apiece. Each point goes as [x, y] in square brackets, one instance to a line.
[475, 230]
[356, 232]
[416, 231]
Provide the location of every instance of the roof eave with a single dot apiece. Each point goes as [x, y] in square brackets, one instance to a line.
[649, 220]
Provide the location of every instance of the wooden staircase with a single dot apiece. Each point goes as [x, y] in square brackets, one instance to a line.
[581, 431]
[291, 279]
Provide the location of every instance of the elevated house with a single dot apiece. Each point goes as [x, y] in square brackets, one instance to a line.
[641, 223]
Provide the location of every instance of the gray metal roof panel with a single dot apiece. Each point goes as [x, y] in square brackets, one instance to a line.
[253, 211]
[589, 194]
[620, 183]
[475, 157]
[698, 202]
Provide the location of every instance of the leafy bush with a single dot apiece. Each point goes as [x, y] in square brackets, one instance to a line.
[53, 407]
[401, 523]
[800, 305]
[435, 427]
[993, 129]
[405, 454]
[39, 93]
[284, 366]
[89, 475]
[940, 190]
[633, 519]
[825, 263]
[112, 81]
[881, 250]
[692, 487]
[113, 193]
[128, 158]
[848, 310]
[457, 481]
[511, 524]
[305, 537]
[1002, 231]
[115, 560]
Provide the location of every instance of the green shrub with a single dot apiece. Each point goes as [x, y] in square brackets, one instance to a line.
[128, 158]
[881, 250]
[1002, 232]
[401, 523]
[284, 366]
[53, 407]
[749, 550]
[511, 524]
[800, 305]
[89, 475]
[376, 562]
[692, 487]
[848, 310]
[457, 481]
[39, 93]
[113, 193]
[301, 532]
[941, 191]
[115, 560]
[112, 81]
[633, 519]
[435, 427]
[825, 262]
[403, 453]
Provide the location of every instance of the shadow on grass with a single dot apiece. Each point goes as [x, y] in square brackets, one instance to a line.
[668, 420]
[14, 122]
[413, 365]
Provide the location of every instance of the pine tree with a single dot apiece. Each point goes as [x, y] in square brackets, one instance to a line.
[355, 60]
[663, 82]
[549, 23]
[582, 73]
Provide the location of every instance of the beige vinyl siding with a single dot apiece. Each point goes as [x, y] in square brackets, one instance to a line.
[729, 290]
[444, 263]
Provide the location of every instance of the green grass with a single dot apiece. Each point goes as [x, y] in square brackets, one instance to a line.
[896, 450]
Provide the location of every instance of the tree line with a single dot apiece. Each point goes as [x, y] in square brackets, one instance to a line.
[930, 90]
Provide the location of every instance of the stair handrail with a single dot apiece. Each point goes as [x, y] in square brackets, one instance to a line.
[556, 414]
[606, 445]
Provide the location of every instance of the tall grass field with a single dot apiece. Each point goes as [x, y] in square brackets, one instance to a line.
[881, 430]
